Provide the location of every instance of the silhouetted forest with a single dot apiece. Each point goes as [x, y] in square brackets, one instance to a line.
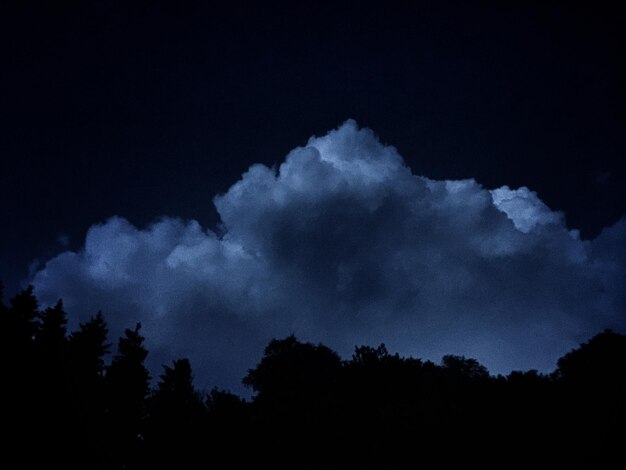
[77, 400]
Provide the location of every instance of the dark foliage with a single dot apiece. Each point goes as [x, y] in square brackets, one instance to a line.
[176, 431]
[63, 405]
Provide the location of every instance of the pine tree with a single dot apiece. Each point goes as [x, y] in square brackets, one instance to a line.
[127, 385]
[87, 349]
[20, 366]
[55, 404]
[51, 335]
[177, 419]
[23, 321]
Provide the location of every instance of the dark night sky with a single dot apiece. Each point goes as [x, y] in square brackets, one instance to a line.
[153, 109]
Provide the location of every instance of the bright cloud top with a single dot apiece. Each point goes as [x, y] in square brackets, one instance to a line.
[344, 245]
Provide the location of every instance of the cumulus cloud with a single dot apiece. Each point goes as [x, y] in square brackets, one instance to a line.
[343, 244]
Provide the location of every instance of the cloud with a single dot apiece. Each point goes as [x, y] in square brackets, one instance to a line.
[343, 244]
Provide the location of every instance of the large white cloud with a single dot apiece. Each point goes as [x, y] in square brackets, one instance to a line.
[344, 245]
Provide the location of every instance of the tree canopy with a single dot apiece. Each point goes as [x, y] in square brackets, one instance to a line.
[69, 402]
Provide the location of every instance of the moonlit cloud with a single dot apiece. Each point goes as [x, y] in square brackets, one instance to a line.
[343, 244]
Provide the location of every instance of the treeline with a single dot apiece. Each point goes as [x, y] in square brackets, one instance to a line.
[63, 405]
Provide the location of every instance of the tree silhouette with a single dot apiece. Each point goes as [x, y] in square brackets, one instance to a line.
[87, 349]
[232, 428]
[296, 385]
[22, 320]
[592, 381]
[367, 356]
[382, 407]
[21, 370]
[51, 335]
[55, 404]
[600, 360]
[290, 368]
[462, 368]
[310, 408]
[177, 428]
[127, 384]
